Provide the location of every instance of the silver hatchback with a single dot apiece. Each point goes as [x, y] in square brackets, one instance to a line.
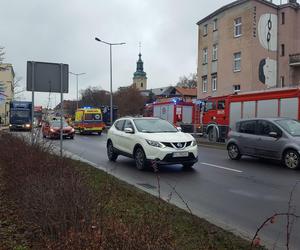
[273, 138]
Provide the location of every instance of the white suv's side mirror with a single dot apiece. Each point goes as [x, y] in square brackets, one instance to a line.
[179, 129]
[128, 130]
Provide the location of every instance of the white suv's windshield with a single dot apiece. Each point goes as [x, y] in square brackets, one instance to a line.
[291, 126]
[154, 126]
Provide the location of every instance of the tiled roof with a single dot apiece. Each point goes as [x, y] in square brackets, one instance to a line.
[187, 91]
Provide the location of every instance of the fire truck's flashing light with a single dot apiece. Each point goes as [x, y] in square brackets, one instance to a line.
[175, 100]
[199, 102]
[87, 107]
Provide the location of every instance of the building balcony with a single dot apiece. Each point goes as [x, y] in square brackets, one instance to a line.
[295, 59]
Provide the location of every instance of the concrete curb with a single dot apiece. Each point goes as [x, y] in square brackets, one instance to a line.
[212, 146]
[204, 143]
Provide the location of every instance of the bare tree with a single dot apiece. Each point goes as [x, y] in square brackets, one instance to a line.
[94, 97]
[188, 81]
[16, 87]
[2, 53]
[129, 101]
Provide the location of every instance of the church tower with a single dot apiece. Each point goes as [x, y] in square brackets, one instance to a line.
[139, 77]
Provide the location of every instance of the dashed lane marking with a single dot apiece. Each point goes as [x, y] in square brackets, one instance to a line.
[216, 166]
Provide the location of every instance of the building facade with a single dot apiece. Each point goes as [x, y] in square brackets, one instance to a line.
[6, 91]
[249, 45]
[139, 77]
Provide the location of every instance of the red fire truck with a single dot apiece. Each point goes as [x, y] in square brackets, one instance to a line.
[218, 114]
[178, 113]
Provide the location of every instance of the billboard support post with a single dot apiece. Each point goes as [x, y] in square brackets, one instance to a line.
[61, 109]
[32, 106]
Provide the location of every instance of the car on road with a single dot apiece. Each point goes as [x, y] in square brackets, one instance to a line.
[273, 138]
[51, 129]
[149, 140]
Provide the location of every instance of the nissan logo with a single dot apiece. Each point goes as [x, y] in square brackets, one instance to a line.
[179, 145]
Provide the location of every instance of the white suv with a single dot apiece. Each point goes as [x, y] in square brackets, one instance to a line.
[150, 139]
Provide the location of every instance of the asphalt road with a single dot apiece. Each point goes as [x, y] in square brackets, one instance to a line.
[236, 195]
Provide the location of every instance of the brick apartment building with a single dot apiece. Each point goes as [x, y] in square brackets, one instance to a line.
[6, 90]
[249, 45]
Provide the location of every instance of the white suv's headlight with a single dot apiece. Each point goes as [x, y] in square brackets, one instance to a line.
[155, 144]
[194, 143]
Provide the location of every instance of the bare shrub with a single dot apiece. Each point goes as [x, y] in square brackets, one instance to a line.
[62, 209]
[49, 192]
[290, 216]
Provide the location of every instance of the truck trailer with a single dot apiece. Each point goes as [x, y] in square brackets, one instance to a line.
[20, 116]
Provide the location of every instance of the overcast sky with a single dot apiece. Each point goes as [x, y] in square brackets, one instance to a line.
[63, 31]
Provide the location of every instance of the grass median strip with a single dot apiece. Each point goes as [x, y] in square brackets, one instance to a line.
[48, 202]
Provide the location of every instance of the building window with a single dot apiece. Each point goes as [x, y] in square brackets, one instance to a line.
[205, 30]
[215, 25]
[282, 81]
[214, 82]
[142, 84]
[237, 62]
[205, 55]
[282, 49]
[282, 18]
[215, 52]
[204, 84]
[237, 27]
[237, 88]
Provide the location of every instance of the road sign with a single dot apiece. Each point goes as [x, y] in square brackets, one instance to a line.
[46, 77]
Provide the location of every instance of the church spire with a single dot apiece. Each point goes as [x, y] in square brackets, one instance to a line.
[140, 64]
[139, 76]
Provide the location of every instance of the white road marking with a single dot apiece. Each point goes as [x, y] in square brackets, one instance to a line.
[216, 166]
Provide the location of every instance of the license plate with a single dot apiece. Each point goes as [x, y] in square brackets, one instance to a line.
[180, 154]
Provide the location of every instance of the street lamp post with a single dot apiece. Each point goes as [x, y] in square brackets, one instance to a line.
[110, 57]
[76, 74]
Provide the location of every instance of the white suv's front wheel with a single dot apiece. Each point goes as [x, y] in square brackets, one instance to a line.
[140, 159]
